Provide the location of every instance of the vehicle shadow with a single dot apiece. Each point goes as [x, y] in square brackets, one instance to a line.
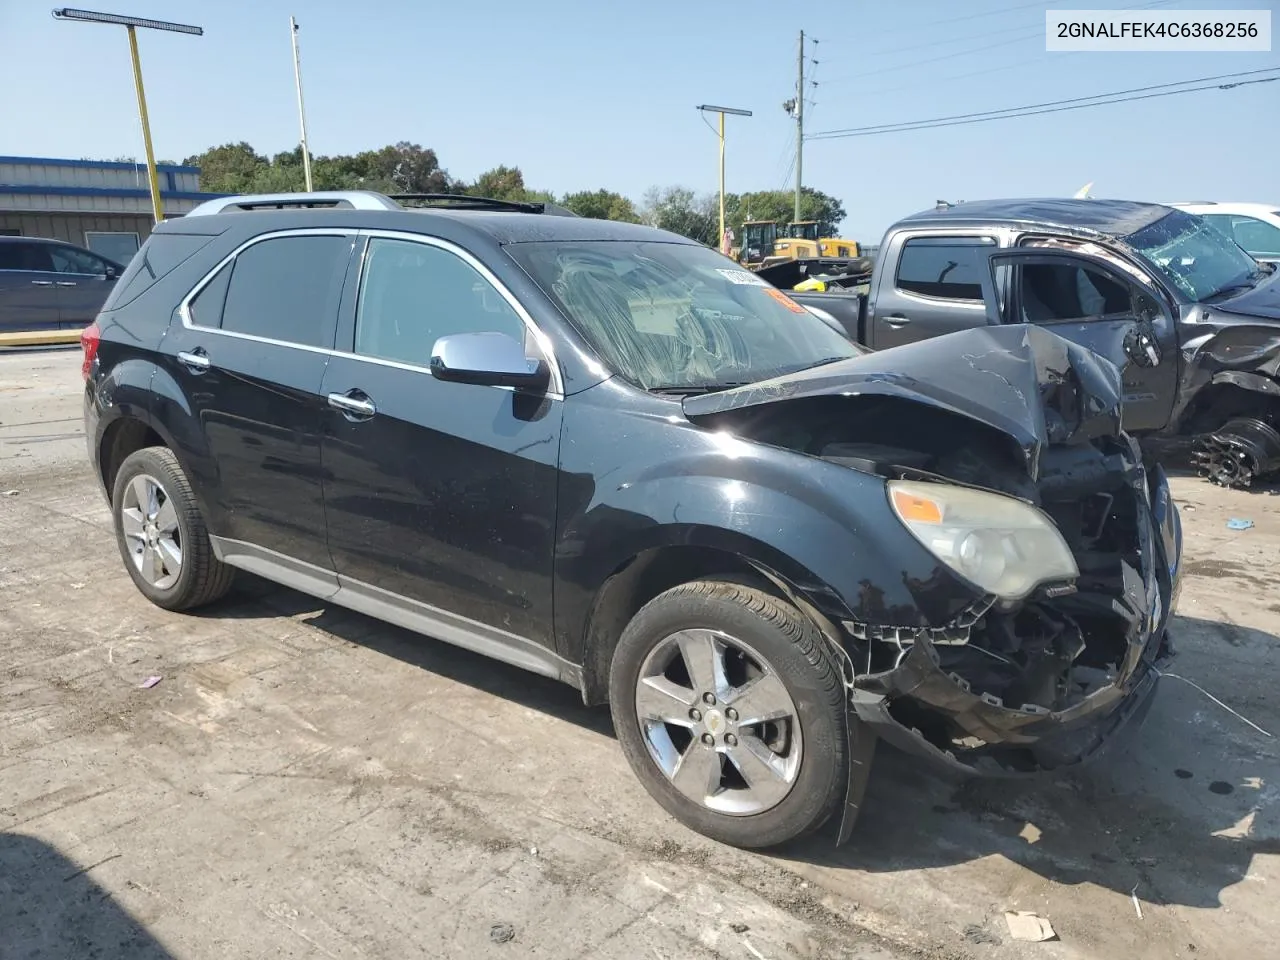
[254, 597]
[51, 909]
[1116, 823]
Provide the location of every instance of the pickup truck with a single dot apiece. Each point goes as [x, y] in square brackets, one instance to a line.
[1192, 320]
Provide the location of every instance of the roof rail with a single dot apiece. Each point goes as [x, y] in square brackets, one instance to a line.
[327, 199]
[467, 200]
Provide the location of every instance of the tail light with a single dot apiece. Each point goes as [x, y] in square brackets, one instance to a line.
[90, 337]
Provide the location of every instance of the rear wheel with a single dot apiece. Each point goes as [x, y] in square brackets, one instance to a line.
[162, 536]
[729, 707]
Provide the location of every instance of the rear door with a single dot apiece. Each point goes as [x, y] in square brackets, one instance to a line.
[936, 287]
[248, 357]
[84, 281]
[1085, 300]
[28, 287]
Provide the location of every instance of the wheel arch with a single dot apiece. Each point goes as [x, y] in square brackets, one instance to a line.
[124, 435]
[654, 569]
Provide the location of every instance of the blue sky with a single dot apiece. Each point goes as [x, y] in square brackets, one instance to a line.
[582, 95]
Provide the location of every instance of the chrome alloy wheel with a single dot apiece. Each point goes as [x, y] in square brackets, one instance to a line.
[149, 521]
[718, 722]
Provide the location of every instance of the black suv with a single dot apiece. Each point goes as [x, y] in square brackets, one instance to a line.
[610, 455]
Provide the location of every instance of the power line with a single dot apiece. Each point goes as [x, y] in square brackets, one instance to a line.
[971, 16]
[1052, 106]
[1023, 34]
[946, 56]
[934, 81]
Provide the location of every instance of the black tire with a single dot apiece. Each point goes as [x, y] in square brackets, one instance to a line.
[202, 578]
[796, 652]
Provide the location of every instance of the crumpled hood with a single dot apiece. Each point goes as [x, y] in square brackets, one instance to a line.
[1022, 380]
[1263, 301]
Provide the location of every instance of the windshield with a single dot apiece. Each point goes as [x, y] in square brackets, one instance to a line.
[678, 316]
[1197, 258]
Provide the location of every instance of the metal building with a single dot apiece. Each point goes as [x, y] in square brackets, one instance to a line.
[99, 204]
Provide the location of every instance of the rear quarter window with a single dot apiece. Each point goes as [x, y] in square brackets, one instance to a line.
[160, 255]
[947, 268]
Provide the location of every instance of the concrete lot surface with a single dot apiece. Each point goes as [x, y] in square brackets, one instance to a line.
[308, 782]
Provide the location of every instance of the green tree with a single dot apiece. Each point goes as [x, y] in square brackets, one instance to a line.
[601, 205]
[779, 206]
[680, 210]
[500, 183]
[403, 167]
[230, 168]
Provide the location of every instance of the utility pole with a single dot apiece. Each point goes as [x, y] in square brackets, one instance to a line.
[708, 108]
[302, 115]
[799, 124]
[130, 23]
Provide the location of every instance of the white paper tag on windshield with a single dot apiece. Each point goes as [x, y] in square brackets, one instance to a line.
[743, 277]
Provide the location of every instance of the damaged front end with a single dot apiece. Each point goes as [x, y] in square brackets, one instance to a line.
[1012, 687]
[1038, 671]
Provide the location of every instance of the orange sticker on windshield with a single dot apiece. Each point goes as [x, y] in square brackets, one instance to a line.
[783, 299]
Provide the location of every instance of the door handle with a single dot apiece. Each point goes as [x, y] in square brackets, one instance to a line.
[896, 320]
[354, 404]
[197, 361]
[42, 283]
[66, 283]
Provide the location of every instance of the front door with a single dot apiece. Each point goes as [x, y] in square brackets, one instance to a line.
[84, 281]
[1091, 303]
[440, 496]
[247, 358]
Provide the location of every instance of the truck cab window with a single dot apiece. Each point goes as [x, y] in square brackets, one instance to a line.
[1053, 293]
[944, 267]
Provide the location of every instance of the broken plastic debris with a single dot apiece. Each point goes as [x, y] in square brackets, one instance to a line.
[1137, 907]
[150, 682]
[11, 493]
[1238, 523]
[1024, 925]
[502, 932]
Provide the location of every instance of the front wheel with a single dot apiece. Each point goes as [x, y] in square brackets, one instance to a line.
[729, 707]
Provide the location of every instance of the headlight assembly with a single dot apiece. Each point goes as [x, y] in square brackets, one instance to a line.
[1002, 545]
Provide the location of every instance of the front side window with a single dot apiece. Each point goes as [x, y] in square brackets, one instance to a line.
[286, 289]
[1194, 256]
[413, 293]
[673, 316]
[71, 260]
[1058, 292]
[946, 267]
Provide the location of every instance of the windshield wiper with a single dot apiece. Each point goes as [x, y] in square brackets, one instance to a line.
[1237, 287]
[690, 389]
[816, 363]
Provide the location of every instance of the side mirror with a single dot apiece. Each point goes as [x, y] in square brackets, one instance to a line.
[489, 359]
[109, 272]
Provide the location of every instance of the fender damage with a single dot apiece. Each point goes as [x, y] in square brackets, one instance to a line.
[1234, 431]
[1004, 688]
